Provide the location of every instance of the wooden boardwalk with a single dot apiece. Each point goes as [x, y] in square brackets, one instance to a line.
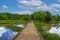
[29, 33]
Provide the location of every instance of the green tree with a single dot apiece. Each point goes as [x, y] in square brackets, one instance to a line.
[48, 16]
[3, 16]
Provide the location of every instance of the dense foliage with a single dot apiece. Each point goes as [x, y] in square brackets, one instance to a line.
[9, 16]
[10, 24]
[45, 16]
[40, 19]
[41, 26]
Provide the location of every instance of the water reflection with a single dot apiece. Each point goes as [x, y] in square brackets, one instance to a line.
[6, 34]
[55, 30]
[2, 30]
[19, 25]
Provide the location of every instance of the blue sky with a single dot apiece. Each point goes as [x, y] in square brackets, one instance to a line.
[29, 6]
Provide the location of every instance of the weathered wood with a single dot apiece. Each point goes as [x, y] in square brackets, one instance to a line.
[29, 33]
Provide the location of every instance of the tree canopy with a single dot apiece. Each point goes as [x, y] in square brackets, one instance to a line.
[39, 15]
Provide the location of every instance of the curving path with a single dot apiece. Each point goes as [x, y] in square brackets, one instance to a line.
[29, 33]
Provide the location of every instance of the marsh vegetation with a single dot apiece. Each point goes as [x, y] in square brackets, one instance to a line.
[43, 20]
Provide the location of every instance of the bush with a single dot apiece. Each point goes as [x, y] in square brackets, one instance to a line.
[45, 35]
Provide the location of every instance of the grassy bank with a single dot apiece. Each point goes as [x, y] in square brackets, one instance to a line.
[10, 24]
[12, 21]
[42, 28]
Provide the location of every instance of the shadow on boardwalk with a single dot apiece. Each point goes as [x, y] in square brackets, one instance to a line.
[29, 33]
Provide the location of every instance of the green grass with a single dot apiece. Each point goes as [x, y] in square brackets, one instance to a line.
[12, 21]
[10, 24]
[42, 28]
[48, 36]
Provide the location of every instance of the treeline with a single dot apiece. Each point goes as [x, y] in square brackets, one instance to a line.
[40, 15]
[9, 16]
[45, 16]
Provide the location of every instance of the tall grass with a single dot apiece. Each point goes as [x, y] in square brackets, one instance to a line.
[42, 28]
[10, 24]
[12, 21]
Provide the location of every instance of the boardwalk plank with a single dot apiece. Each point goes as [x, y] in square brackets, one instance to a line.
[29, 33]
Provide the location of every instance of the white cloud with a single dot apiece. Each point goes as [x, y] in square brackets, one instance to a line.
[38, 5]
[23, 12]
[35, 3]
[4, 6]
[54, 7]
[32, 5]
[58, 0]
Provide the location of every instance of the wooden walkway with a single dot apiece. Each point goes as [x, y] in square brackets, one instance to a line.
[29, 33]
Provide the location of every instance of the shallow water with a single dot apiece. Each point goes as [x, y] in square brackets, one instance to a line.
[19, 25]
[6, 34]
[55, 30]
